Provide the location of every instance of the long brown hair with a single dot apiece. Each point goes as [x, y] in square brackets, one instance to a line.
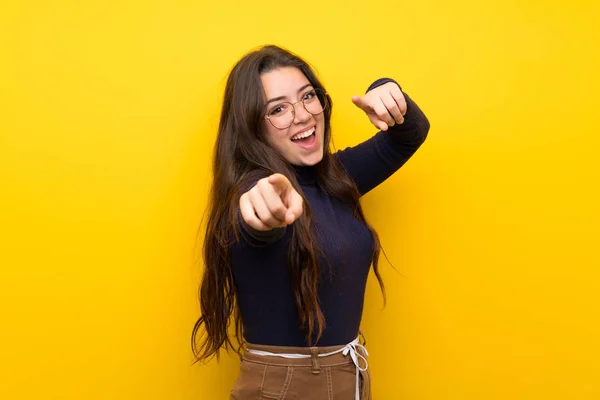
[241, 157]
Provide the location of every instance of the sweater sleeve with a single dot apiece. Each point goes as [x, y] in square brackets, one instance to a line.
[373, 161]
[258, 238]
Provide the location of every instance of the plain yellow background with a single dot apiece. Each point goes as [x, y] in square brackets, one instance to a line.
[108, 114]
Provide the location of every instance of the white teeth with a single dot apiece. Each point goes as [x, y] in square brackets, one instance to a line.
[304, 134]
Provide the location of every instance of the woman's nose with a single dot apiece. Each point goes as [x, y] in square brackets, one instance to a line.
[300, 114]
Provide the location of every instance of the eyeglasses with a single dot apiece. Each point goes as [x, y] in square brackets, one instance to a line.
[282, 115]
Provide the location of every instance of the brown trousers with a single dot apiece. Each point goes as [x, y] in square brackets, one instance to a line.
[315, 378]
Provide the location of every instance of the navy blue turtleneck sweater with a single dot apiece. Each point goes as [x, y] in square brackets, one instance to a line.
[259, 259]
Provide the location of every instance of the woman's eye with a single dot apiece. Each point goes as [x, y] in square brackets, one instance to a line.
[310, 95]
[277, 110]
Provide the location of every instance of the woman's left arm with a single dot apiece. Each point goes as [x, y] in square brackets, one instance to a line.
[403, 128]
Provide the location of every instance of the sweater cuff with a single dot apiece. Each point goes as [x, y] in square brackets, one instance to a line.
[258, 238]
[380, 82]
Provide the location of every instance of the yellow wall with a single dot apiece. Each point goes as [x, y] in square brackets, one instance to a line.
[107, 118]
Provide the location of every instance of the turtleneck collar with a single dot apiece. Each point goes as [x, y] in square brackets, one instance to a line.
[306, 175]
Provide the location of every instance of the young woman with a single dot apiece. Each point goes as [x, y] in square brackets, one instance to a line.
[287, 247]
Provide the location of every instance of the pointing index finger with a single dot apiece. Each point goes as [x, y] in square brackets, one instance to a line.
[361, 103]
[280, 181]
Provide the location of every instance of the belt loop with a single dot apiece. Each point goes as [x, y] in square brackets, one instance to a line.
[314, 357]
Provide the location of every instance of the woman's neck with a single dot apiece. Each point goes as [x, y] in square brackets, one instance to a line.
[306, 174]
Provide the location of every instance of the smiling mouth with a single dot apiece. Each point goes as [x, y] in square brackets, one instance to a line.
[306, 140]
[304, 136]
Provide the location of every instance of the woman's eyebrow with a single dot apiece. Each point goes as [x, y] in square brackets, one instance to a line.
[283, 97]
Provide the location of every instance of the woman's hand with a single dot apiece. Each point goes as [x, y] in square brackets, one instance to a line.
[385, 105]
[271, 203]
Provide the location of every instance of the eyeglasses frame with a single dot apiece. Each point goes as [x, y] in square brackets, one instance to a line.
[317, 90]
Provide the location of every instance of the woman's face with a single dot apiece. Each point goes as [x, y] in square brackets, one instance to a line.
[290, 85]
